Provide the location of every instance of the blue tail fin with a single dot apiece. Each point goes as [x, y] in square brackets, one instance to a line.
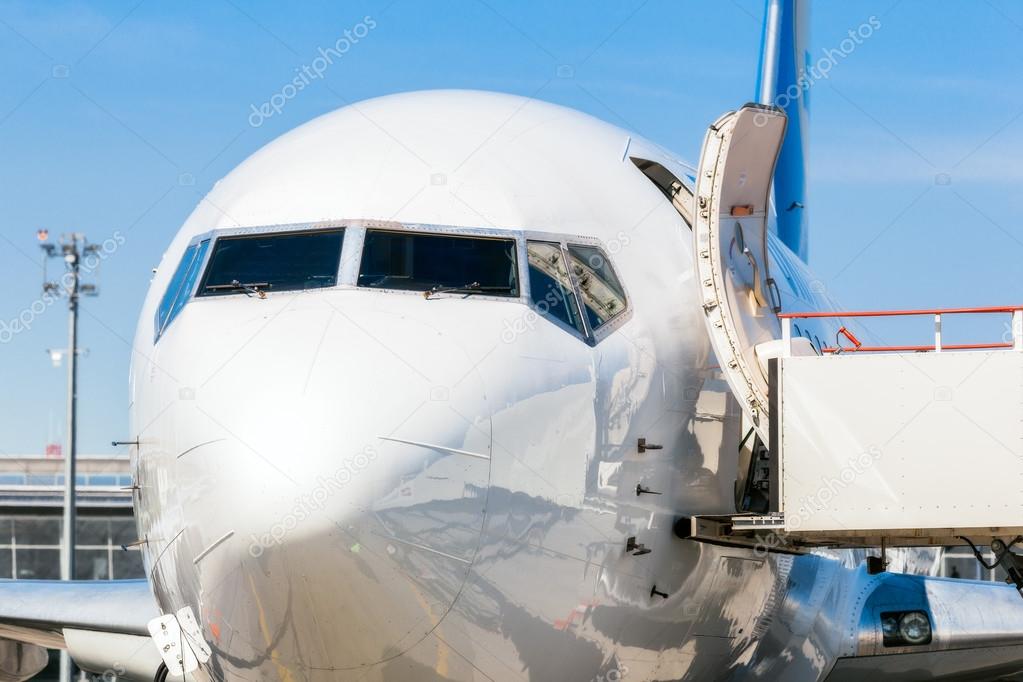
[782, 81]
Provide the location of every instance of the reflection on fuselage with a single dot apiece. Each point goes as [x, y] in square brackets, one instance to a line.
[377, 483]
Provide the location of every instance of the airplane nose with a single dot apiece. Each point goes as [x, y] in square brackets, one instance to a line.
[347, 453]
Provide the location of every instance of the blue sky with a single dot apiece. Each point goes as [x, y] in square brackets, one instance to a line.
[119, 116]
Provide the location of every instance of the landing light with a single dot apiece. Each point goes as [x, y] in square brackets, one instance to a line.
[905, 628]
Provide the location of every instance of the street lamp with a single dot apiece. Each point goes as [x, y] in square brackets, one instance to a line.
[71, 248]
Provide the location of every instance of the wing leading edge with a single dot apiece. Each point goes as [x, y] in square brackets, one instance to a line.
[102, 624]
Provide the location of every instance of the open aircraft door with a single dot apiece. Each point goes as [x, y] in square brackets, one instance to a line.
[928, 469]
[740, 299]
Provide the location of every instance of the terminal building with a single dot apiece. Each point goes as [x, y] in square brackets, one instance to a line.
[31, 508]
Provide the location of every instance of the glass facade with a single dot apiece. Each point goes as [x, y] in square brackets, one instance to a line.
[31, 502]
[959, 562]
[98, 480]
[30, 547]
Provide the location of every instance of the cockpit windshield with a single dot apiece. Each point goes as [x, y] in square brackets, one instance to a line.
[602, 293]
[271, 262]
[439, 263]
[572, 284]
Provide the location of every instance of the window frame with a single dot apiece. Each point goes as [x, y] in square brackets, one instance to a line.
[351, 260]
[299, 228]
[575, 280]
[187, 294]
[514, 236]
[592, 336]
[214, 235]
[584, 335]
[355, 235]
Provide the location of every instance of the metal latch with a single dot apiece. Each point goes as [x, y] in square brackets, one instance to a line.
[643, 446]
[179, 641]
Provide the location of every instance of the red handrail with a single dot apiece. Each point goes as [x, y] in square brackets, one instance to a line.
[857, 347]
[914, 349]
[896, 313]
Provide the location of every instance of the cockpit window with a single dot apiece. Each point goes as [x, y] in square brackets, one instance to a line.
[550, 286]
[602, 294]
[180, 286]
[417, 261]
[288, 261]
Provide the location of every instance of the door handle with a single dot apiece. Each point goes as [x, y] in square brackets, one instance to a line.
[757, 289]
[772, 288]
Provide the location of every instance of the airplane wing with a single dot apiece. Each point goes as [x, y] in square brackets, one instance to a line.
[102, 624]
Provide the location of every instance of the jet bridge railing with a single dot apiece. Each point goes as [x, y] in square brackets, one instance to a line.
[1016, 325]
[898, 444]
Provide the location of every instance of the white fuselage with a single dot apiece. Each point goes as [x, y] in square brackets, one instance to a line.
[351, 483]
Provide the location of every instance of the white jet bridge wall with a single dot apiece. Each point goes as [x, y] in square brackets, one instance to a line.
[916, 448]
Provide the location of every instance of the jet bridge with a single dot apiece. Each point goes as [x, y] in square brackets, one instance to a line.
[857, 446]
[903, 445]
[888, 445]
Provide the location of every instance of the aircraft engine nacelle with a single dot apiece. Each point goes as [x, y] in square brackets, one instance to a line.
[20, 661]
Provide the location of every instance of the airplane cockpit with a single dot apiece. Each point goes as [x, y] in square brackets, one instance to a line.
[568, 280]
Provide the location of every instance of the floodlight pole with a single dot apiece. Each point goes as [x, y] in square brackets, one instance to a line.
[72, 256]
[72, 248]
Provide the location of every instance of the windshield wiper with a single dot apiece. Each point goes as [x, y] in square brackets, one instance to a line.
[467, 289]
[249, 288]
